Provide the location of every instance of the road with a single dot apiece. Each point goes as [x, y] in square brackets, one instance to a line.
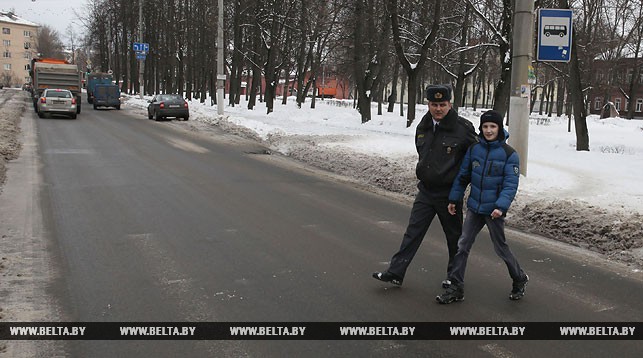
[153, 221]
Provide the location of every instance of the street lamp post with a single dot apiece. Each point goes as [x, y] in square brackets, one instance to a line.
[141, 61]
[220, 73]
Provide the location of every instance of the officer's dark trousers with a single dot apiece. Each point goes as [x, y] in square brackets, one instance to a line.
[472, 226]
[424, 210]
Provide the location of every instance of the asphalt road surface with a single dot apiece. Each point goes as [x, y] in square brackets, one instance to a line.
[150, 221]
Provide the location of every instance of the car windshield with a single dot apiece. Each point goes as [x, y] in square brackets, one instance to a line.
[59, 94]
[169, 97]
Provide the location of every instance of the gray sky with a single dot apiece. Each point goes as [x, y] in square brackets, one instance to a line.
[56, 13]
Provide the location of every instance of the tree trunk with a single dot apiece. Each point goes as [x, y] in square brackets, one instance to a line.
[503, 89]
[543, 92]
[393, 96]
[560, 99]
[578, 101]
[459, 85]
[402, 87]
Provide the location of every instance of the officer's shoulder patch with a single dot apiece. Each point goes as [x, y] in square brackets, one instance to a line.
[516, 170]
[475, 163]
[421, 135]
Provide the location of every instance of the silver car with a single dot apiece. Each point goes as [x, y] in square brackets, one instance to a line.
[56, 101]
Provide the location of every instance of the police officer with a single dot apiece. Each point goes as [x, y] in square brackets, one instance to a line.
[441, 140]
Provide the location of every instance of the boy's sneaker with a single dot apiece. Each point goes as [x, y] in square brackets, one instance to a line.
[518, 290]
[388, 277]
[446, 283]
[454, 293]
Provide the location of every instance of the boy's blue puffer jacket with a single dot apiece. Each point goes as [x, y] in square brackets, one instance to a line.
[493, 169]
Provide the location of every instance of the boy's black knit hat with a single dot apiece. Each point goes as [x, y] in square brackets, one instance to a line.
[491, 116]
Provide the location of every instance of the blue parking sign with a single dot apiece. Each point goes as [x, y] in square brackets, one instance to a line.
[554, 35]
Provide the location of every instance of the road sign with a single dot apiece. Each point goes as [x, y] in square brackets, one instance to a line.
[141, 47]
[554, 35]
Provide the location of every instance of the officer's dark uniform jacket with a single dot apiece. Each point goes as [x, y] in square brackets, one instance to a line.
[440, 154]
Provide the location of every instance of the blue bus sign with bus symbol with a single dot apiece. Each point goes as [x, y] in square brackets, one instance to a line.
[554, 35]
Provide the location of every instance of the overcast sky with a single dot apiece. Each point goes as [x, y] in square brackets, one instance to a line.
[58, 14]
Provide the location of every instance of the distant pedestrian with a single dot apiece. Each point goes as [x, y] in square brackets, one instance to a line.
[441, 140]
[492, 168]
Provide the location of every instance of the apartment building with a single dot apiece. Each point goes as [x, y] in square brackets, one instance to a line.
[18, 48]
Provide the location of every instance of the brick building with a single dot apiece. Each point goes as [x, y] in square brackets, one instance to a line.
[611, 83]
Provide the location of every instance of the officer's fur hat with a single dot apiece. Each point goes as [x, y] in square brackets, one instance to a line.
[438, 93]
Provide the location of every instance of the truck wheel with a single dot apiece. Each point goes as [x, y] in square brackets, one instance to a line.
[95, 106]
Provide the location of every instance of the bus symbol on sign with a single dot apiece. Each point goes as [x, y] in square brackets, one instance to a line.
[560, 30]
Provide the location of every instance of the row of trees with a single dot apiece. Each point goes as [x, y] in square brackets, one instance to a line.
[380, 46]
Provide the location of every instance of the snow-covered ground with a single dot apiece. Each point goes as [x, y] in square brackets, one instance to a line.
[591, 199]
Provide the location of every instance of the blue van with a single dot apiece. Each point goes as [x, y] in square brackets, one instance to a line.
[107, 96]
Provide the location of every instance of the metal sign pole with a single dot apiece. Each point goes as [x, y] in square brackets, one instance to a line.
[520, 62]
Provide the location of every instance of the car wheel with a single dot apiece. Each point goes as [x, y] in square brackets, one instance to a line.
[40, 115]
[157, 117]
[185, 118]
[73, 116]
[118, 107]
[95, 107]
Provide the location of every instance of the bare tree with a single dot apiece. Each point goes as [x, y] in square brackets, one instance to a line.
[49, 43]
[634, 47]
[421, 36]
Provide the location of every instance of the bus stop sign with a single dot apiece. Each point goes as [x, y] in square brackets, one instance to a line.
[554, 35]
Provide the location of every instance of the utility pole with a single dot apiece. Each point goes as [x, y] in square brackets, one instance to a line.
[521, 55]
[141, 67]
[220, 73]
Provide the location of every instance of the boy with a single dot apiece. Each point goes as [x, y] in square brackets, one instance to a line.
[492, 168]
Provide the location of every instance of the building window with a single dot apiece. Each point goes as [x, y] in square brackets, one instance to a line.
[6, 31]
[599, 76]
[7, 67]
[598, 103]
[27, 33]
[639, 105]
[617, 103]
[26, 67]
[6, 42]
[28, 55]
[27, 45]
[27, 79]
[6, 54]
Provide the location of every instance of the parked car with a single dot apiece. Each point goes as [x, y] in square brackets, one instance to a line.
[56, 101]
[167, 105]
[107, 96]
